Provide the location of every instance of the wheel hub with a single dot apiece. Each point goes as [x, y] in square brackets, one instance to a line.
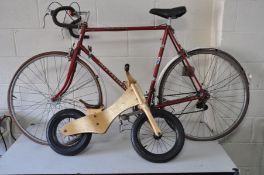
[157, 137]
[55, 104]
[201, 104]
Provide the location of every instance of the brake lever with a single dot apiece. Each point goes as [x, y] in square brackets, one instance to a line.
[74, 34]
[44, 19]
[48, 12]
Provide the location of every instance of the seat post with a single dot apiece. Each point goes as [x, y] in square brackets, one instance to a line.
[169, 22]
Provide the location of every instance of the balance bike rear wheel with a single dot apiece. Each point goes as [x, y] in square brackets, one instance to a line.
[66, 145]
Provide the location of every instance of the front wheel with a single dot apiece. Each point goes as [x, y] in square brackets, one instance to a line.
[38, 80]
[223, 78]
[158, 149]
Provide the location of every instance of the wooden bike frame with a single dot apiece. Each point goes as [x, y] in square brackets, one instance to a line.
[99, 120]
[168, 32]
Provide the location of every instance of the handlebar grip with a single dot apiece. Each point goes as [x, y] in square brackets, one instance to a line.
[127, 67]
[55, 12]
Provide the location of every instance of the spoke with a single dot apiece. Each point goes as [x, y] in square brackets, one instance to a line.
[34, 88]
[226, 101]
[182, 79]
[78, 88]
[31, 105]
[62, 76]
[212, 74]
[219, 113]
[208, 71]
[45, 123]
[179, 85]
[223, 104]
[199, 124]
[43, 66]
[222, 73]
[214, 90]
[41, 119]
[73, 104]
[80, 96]
[198, 119]
[164, 144]
[27, 114]
[32, 93]
[224, 80]
[37, 92]
[36, 75]
[226, 90]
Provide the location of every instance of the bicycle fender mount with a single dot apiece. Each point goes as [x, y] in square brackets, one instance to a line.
[99, 120]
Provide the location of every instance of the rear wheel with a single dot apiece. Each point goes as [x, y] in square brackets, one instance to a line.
[224, 80]
[66, 145]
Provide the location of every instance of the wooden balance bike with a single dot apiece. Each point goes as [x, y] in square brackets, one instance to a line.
[156, 135]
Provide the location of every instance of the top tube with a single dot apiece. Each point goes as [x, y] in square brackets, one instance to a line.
[113, 29]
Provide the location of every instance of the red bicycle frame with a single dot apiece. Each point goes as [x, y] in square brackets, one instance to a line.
[168, 31]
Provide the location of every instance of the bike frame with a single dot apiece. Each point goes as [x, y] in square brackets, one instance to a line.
[168, 31]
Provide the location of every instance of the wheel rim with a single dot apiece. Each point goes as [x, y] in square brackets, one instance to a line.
[157, 145]
[37, 81]
[224, 80]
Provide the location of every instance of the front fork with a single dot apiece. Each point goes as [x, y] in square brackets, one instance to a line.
[73, 58]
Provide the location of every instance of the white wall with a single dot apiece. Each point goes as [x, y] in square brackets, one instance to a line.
[243, 36]
[234, 25]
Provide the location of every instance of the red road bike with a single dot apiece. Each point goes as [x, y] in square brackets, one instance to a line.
[207, 89]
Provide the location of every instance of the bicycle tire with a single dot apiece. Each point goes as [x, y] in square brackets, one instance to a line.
[218, 105]
[50, 73]
[67, 145]
[144, 140]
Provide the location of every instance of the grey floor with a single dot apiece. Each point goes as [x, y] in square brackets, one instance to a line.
[111, 154]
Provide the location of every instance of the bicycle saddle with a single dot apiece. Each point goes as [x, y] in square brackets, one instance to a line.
[169, 13]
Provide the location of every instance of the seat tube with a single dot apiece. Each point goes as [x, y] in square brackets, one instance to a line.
[169, 22]
[157, 66]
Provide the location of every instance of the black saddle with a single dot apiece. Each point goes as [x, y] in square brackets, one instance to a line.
[169, 13]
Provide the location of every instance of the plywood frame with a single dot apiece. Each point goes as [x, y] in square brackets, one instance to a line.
[99, 120]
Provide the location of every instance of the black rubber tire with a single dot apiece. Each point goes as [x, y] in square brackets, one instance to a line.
[68, 150]
[172, 122]
[225, 56]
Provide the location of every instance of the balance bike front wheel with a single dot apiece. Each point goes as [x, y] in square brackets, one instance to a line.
[158, 149]
[66, 145]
